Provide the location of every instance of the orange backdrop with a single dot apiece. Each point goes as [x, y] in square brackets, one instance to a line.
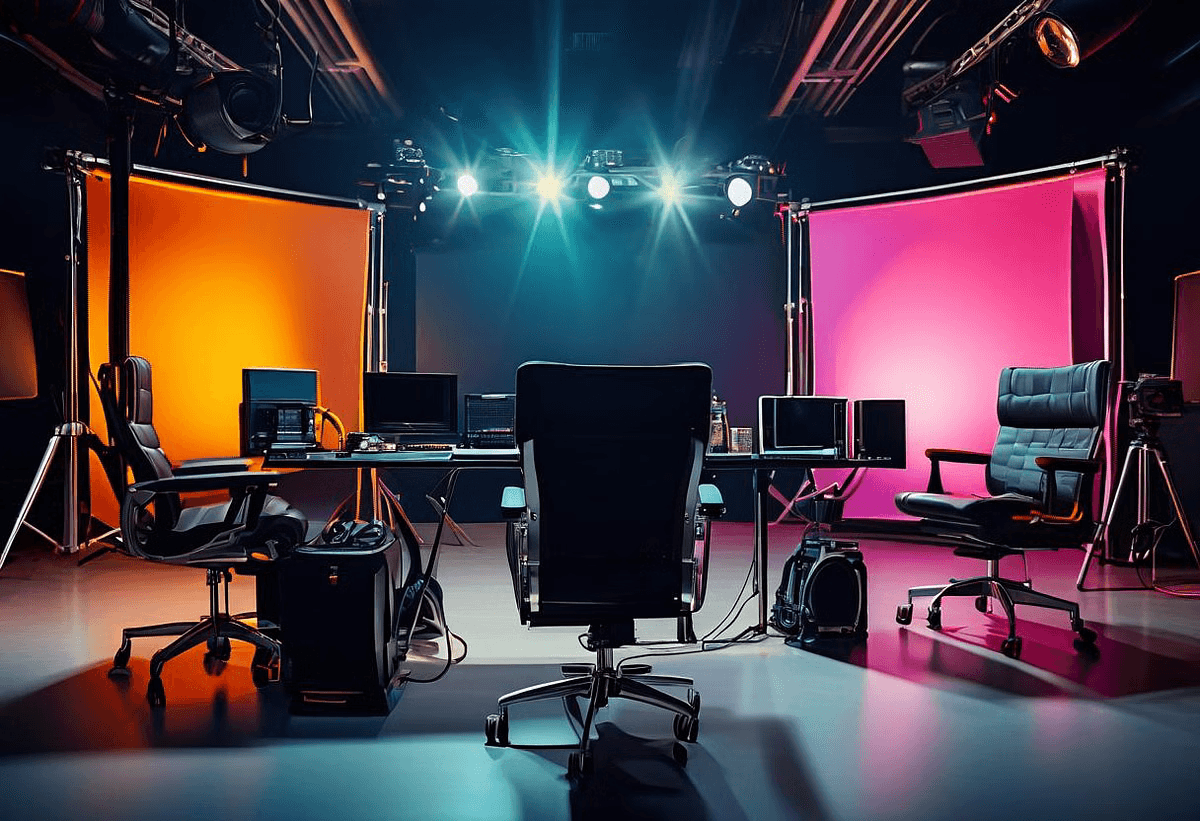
[221, 281]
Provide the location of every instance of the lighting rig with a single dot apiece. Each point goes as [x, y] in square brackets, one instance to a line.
[615, 179]
[141, 53]
[956, 109]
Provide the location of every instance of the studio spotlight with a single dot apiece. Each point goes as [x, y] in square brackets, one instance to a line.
[1073, 30]
[598, 187]
[951, 126]
[467, 184]
[549, 187]
[739, 191]
[234, 112]
[669, 190]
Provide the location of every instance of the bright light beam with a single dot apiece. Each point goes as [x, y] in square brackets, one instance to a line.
[467, 184]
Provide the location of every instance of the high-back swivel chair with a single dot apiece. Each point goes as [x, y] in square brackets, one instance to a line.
[247, 532]
[611, 524]
[1039, 477]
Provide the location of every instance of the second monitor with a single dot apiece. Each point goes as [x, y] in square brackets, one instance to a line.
[411, 407]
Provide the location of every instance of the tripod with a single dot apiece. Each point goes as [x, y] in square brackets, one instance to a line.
[73, 434]
[1145, 446]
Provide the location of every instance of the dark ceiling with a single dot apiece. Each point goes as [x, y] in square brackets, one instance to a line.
[813, 83]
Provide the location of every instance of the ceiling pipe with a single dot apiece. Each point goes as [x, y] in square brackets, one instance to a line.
[872, 18]
[810, 56]
[873, 60]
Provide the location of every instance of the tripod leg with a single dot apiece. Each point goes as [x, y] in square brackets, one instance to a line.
[34, 489]
[1179, 511]
[1102, 531]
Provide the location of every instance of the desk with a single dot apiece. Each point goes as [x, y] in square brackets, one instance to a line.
[760, 467]
[373, 500]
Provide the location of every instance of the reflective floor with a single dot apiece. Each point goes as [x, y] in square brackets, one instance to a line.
[915, 724]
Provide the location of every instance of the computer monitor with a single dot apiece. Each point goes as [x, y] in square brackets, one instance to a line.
[811, 425]
[278, 408]
[411, 407]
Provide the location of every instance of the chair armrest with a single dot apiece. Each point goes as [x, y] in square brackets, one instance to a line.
[1051, 465]
[712, 504]
[209, 481]
[512, 502]
[938, 455]
[191, 467]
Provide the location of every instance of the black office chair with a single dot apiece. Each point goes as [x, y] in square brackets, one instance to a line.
[1040, 475]
[612, 525]
[248, 532]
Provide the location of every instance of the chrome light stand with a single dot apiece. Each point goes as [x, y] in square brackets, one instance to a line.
[72, 434]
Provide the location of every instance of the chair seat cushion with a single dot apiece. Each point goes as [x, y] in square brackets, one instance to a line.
[279, 521]
[973, 510]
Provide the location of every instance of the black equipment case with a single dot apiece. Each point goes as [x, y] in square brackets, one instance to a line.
[823, 593]
[336, 619]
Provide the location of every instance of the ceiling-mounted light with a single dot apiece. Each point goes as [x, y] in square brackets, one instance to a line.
[234, 112]
[739, 191]
[467, 184]
[549, 187]
[951, 126]
[598, 186]
[1072, 30]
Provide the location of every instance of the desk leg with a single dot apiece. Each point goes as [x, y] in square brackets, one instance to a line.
[762, 487]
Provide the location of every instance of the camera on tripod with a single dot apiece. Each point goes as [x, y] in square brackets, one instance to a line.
[1153, 397]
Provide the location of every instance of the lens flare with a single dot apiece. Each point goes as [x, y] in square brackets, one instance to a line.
[549, 187]
[467, 184]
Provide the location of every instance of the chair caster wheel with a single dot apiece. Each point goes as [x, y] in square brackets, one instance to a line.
[579, 764]
[981, 604]
[935, 618]
[120, 668]
[686, 728]
[213, 665]
[219, 647]
[155, 694]
[1011, 647]
[497, 729]
[904, 614]
[1086, 634]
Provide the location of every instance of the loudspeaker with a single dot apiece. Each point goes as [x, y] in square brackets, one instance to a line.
[880, 431]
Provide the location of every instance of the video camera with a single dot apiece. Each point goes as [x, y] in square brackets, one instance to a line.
[1153, 397]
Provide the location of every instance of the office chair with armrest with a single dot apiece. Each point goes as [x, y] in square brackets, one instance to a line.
[611, 525]
[1040, 477]
[248, 532]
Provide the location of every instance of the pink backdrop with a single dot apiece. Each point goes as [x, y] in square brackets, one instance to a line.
[927, 300]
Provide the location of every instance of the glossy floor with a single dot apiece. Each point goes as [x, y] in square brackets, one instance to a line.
[914, 724]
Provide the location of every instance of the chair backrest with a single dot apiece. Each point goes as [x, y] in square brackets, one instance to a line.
[1047, 412]
[611, 457]
[128, 400]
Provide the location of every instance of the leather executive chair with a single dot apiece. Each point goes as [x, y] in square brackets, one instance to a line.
[247, 532]
[611, 526]
[1040, 476]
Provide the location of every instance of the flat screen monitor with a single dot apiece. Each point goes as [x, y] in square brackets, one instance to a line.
[812, 425]
[278, 408]
[417, 407]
